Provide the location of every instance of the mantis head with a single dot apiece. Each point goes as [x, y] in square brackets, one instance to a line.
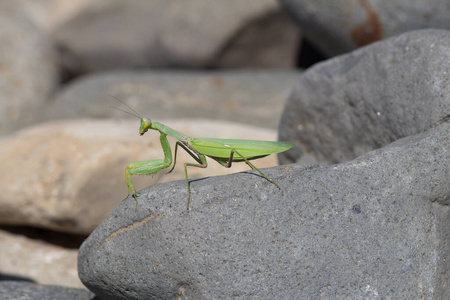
[146, 124]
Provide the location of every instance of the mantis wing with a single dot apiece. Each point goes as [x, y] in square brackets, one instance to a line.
[221, 148]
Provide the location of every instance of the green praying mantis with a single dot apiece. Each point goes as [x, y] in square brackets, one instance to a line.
[224, 151]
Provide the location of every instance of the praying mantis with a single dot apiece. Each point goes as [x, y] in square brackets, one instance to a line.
[223, 151]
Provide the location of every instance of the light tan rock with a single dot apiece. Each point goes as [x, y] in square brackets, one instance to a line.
[69, 175]
[37, 260]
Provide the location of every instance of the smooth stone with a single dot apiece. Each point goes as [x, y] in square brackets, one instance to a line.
[37, 260]
[49, 14]
[28, 68]
[173, 34]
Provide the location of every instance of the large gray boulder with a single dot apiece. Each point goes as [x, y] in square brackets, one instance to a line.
[375, 227]
[359, 102]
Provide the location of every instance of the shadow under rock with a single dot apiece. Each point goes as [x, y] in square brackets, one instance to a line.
[7, 277]
[62, 239]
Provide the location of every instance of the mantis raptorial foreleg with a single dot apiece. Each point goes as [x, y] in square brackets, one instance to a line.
[200, 158]
[148, 167]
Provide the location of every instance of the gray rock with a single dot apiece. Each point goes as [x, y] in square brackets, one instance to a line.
[20, 290]
[166, 33]
[376, 227]
[270, 41]
[49, 14]
[337, 27]
[28, 69]
[250, 97]
[345, 107]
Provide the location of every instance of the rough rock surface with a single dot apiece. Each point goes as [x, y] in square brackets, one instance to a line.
[377, 226]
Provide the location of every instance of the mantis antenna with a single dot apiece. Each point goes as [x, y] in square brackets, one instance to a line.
[127, 112]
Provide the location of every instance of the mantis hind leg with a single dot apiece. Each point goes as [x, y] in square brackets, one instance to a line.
[228, 165]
